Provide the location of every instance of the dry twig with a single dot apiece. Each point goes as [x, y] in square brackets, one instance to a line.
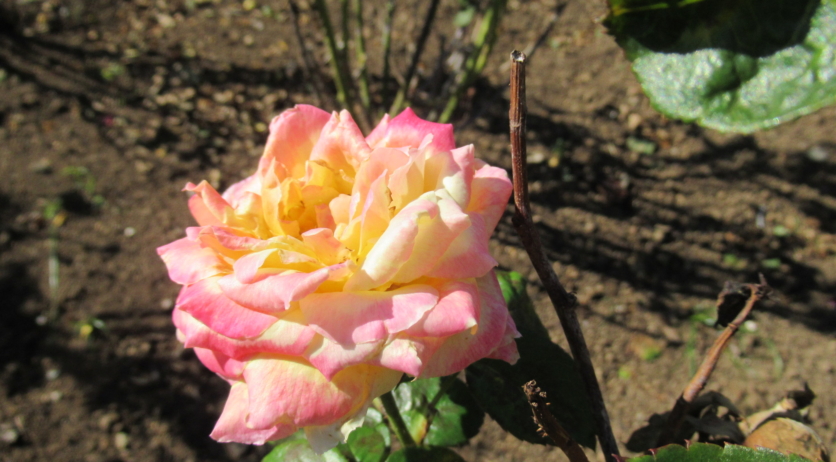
[564, 303]
[549, 425]
[757, 292]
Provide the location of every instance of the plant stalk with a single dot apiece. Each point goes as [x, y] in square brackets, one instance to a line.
[677, 415]
[564, 303]
[401, 96]
[476, 61]
[387, 49]
[337, 66]
[398, 425]
[549, 425]
[360, 48]
[309, 71]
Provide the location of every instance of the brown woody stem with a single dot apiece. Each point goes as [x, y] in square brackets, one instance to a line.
[757, 292]
[549, 425]
[564, 303]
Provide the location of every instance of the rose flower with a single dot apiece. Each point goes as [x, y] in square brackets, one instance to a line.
[344, 262]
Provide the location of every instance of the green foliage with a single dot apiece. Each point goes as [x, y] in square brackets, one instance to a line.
[295, 448]
[367, 445]
[732, 65]
[416, 454]
[446, 420]
[497, 385]
[701, 452]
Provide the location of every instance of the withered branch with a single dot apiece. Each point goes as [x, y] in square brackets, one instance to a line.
[564, 303]
[549, 425]
[756, 293]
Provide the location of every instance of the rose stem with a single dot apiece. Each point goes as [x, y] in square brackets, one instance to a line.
[564, 303]
[398, 425]
[549, 425]
[387, 48]
[400, 97]
[311, 76]
[757, 292]
[360, 46]
[337, 67]
[478, 58]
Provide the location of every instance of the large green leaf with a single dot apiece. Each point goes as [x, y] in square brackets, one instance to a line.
[732, 65]
[367, 445]
[457, 416]
[295, 448]
[497, 385]
[702, 452]
[424, 455]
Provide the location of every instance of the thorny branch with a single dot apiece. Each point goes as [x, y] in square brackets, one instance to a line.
[757, 292]
[549, 425]
[564, 303]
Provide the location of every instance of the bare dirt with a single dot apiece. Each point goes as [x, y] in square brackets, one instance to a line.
[147, 95]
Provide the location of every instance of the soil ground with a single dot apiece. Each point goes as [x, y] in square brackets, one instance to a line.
[146, 95]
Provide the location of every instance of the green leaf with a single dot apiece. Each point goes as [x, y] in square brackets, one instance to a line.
[731, 65]
[701, 452]
[456, 418]
[367, 445]
[416, 454]
[497, 385]
[374, 420]
[295, 448]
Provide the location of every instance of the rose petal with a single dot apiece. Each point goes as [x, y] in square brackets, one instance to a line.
[231, 426]
[463, 349]
[274, 293]
[209, 208]
[289, 335]
[220, 363]
[490, 192]
[188, 262]
[289, 390]
[395, 246]
[341, 145]
[468, 256]
[331, 357]
[367, 316]
[457, 310]
[407, 354]
[409, 130]
[323, 438]
[206, 302]
[434, 238]
[292, 137]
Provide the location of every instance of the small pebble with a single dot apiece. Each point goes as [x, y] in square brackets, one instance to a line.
[42, 166]
[130, 231]
[818, 153]
[166, 303]
[52, 374]
[633, 121]
[121, 440]
[9, 435]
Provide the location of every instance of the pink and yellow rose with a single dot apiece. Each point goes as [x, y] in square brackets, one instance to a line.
[344, 262]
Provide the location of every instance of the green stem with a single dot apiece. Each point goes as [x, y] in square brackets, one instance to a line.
[477, 60]
[398, 425]
[340, 80]
[363, 81]
[400, 98]
[387, 48]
